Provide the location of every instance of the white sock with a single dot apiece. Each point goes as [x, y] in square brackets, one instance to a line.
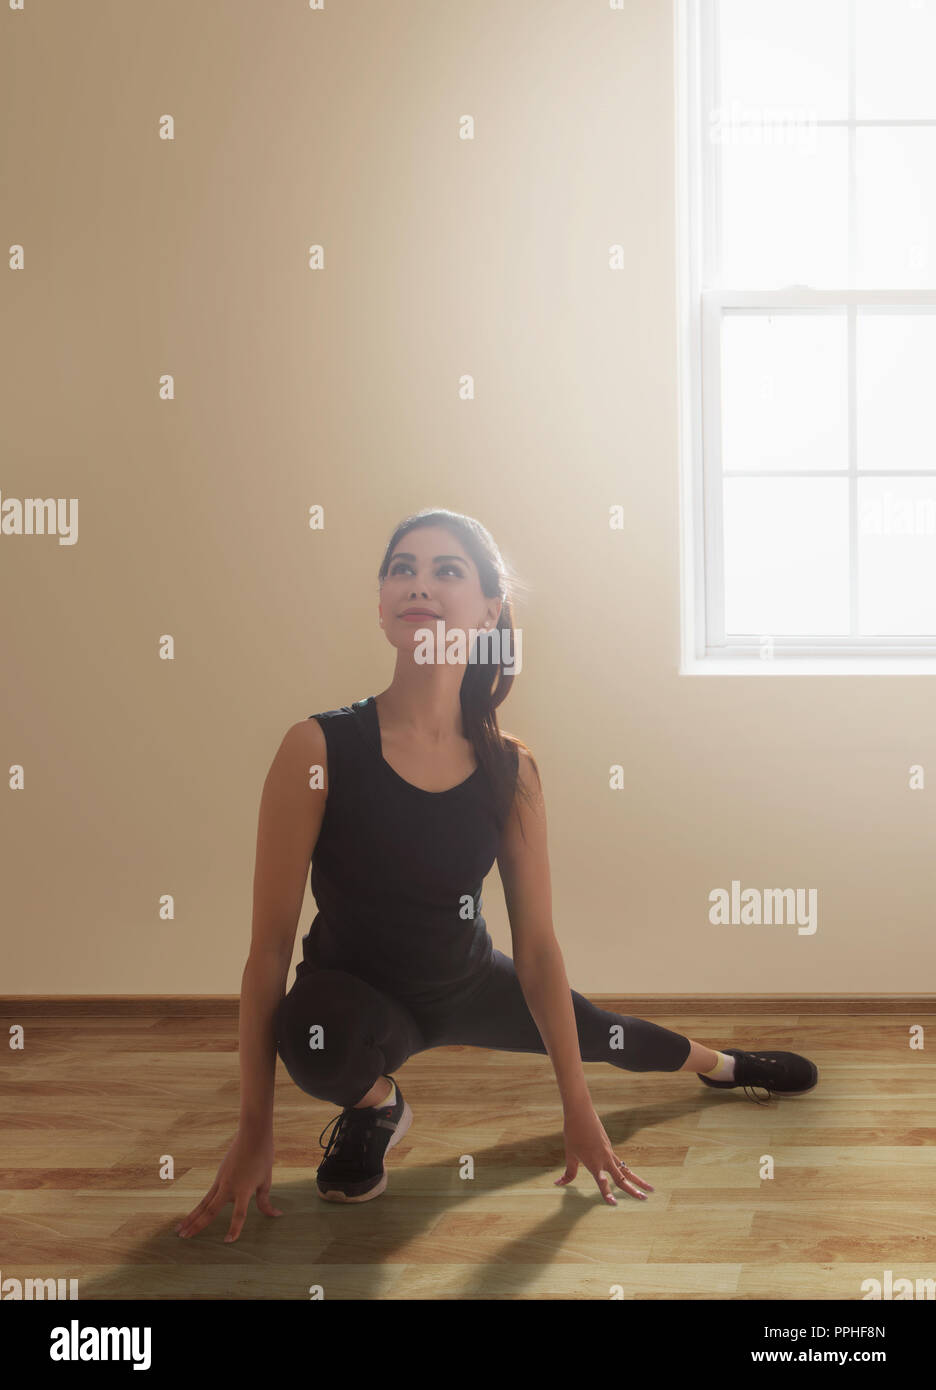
[391, 1098]
[724, 1068]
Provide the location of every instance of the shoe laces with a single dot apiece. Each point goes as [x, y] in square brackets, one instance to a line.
[352, 1133]
[761, 1085]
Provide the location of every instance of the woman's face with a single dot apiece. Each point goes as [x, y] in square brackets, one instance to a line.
[430, 569]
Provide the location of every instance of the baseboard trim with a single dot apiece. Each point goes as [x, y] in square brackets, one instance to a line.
[21, 1006]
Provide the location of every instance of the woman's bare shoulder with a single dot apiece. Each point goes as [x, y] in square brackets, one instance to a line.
[527, 769]
[306, 742]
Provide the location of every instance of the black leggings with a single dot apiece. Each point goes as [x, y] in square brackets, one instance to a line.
[361, 1032]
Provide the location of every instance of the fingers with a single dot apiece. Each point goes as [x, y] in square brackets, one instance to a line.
[237, 1220]
[198, 1221]
[186, 1221]
[604, 1186]
[617, 1171]
[626, 1184]
[264, 1204]
[207, 1209]
[209, 1196]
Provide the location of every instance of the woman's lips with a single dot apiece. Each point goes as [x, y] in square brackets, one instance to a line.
[419, 617]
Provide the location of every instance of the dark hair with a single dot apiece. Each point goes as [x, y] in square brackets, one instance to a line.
[485, 684]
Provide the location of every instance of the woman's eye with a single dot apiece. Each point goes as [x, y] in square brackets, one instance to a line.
[402, 565]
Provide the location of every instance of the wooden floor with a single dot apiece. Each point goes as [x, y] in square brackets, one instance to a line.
[92, 1107]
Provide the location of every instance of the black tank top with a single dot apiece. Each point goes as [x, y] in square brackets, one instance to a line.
[397, 871]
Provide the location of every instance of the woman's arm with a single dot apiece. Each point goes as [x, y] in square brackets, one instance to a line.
[524, 868]
[523, 862]
[290, 819]
[263, 985]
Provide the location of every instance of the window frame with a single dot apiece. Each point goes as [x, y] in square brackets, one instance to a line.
[701, 312]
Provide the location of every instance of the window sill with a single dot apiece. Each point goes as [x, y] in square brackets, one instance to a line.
[810, 666]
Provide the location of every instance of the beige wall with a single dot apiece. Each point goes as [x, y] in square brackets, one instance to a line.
[294, 388]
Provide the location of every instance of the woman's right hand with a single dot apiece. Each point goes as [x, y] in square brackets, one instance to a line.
[246, 1170]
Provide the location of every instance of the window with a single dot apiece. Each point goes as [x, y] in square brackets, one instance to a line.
[807, 294]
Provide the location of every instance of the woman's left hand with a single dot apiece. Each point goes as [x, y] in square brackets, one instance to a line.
[586, 1141]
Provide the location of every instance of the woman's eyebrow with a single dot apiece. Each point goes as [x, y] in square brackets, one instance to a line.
[405, 555]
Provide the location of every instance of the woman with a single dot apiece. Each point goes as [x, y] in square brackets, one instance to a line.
[421, 792]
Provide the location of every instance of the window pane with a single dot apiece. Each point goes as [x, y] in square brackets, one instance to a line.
[785, 208]
[896, 369]
[896, 207]
[895, 44]
[786, 556]
[897, 556]
[784, 391]
[782, 220]
[792, 54]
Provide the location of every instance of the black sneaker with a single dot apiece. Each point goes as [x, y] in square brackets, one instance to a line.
[352, 1169]
[786, 1073]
